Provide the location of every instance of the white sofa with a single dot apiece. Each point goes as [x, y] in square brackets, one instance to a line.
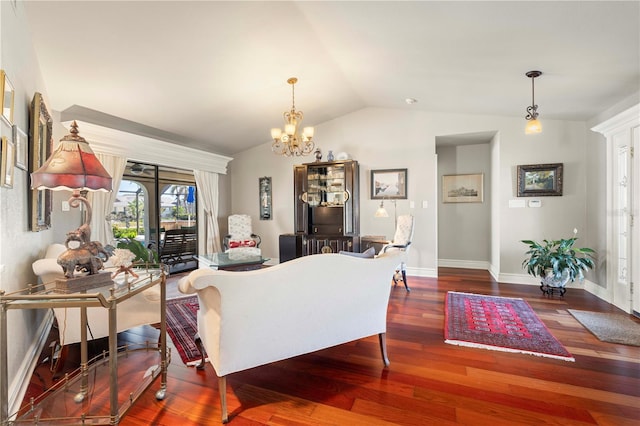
[143, 308]
[252, 318]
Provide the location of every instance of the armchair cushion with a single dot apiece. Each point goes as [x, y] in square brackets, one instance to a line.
[242, 243]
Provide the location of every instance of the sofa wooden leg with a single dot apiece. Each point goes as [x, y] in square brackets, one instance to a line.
[198, 342]
[222, 388]
[383, 348]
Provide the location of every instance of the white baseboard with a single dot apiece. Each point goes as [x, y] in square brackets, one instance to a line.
[464, 264]
[20, 383]
[422, 272]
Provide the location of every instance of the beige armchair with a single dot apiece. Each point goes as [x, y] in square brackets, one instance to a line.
[401, 241]
[143, 308]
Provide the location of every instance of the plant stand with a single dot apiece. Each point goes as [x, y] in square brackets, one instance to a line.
[549, 290]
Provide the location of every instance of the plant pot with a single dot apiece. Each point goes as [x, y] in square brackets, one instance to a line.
[550, 283]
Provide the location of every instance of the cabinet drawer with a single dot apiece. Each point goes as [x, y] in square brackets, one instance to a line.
[326, 229]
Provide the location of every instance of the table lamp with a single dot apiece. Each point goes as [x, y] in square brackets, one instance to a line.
[74, 166]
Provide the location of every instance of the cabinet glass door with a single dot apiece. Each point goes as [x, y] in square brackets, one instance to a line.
[325, 186]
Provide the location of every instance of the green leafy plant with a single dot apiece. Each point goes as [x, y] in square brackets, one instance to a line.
[558, 256]
[142, 253]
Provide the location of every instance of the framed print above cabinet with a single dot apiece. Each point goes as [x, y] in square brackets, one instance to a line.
[40, 148]
[536, 180]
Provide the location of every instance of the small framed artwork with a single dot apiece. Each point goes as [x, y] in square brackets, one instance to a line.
[7, 94]
[536, 180]
[463, 188]
[22, 144]
[389, 184]
[8, 162]
[264, 187]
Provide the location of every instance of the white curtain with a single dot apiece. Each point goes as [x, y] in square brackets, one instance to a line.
[207, 184]
[102, 202]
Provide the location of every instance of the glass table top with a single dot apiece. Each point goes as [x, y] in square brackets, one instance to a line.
[231, 259]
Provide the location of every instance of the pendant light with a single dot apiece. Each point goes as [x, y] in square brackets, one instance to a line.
[533, 124]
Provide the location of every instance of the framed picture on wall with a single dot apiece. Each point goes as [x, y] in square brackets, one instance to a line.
[389, 184]
[22, 142]
[7, 95]
[264, 187]
[536, 180]
[8, 162]
[40, 147]
[463, 188]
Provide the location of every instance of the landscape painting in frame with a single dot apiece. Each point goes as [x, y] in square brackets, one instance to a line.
[389, 184]
[463, 188]
[537, 180]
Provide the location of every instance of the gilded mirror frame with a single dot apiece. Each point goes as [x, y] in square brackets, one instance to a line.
[40, 148]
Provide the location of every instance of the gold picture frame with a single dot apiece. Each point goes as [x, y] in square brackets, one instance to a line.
[7, 96]
[40, 147]
[8, 162]
[540, 180]
[468, 188]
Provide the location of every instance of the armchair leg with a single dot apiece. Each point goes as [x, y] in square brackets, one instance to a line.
[382, 337]
[222, 388]
[404, 280]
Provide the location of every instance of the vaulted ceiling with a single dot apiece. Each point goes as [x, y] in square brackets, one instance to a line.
[212, 74]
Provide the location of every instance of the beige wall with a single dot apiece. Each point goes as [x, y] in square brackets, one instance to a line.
[383, 138]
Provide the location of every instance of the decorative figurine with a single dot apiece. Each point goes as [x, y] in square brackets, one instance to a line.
[318, 154]
[330, 156]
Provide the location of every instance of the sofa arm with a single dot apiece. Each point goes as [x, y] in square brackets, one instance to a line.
[186, 284]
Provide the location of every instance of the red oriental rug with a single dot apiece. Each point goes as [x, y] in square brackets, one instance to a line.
[182, 327]
[498, 323]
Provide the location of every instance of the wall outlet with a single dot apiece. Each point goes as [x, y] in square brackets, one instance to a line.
[65, 206]
[412, 204]
[425, 204]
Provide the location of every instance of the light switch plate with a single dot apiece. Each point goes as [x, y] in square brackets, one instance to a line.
[517, 204]
[65, 206]
[535, 203]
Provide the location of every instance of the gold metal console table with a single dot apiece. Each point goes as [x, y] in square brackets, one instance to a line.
[81, 397]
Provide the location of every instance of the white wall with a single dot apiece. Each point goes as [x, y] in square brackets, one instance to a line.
[19, 247]
[384, 138]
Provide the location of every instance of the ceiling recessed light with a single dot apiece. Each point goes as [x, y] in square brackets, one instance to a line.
[410, 101]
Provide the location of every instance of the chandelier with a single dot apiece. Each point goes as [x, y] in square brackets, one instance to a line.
[533, 125]
[288, 141]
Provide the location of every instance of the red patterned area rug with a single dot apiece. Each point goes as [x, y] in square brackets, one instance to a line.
[182, 327]
[498, 323]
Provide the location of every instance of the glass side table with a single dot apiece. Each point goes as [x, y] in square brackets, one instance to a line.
[75, 398]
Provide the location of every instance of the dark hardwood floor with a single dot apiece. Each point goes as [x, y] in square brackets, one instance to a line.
[428, 381]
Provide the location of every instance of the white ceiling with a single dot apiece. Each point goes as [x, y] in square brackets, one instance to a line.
[212, 75]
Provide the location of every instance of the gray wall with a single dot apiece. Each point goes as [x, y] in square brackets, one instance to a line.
[464, 229]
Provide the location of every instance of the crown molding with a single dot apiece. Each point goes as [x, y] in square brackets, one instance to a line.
[134, 147]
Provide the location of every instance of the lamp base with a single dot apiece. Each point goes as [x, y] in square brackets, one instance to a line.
[83, 283]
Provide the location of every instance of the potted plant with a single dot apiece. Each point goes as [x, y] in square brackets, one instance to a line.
[557, 262]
